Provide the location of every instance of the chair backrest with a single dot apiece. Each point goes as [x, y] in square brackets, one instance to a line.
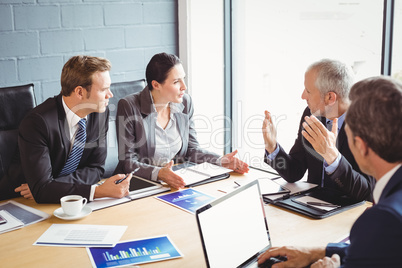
[122, 89]
[15, 103]
[119, 90]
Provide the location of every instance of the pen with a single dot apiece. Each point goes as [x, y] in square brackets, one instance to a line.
[322, 204]
[132, 172]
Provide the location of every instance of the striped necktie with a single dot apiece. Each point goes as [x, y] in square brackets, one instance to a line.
[76, 152]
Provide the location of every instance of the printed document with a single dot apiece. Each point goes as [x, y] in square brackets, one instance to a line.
[81, 235]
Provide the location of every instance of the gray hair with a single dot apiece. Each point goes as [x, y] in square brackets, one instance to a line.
[333, 76]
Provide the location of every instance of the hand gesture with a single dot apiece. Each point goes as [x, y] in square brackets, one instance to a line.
[322, 140]
[269, 133]
[231, 162]
[167, 175]
[24, 191]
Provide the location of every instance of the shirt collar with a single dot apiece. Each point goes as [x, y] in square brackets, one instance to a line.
[341, 119]
[381, 183]
[72, 118]
[173, 108]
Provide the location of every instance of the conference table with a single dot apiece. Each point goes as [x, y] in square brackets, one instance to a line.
[150, 217]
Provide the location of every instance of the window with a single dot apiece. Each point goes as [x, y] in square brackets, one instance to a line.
[273, 44]
[201, 50]
[396, 69]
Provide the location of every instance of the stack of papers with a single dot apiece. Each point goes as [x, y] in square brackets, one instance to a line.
[81, 235]
[11, 224]
[19, 215]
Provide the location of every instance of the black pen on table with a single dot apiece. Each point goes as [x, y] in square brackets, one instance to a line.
[132, 172]
[322, 204]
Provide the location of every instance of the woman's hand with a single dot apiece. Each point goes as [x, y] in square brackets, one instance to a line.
[231, 162]
[167, 175]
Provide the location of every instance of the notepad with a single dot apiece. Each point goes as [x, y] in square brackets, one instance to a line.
[197, 174]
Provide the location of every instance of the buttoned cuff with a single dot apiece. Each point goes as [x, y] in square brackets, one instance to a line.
[155, 172]
[92, 193]
[329, 169]
[272, 156]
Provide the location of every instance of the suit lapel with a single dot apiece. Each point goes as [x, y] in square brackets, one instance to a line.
[182, 122]
[149, 118]
[342, 138]
[63, 126]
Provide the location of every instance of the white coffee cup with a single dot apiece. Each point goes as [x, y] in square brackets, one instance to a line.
[72, 204]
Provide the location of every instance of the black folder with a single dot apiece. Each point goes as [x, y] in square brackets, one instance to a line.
[333, 202]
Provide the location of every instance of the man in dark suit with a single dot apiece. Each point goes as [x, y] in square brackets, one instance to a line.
[321, 145]
[373, 127]
[47, 137]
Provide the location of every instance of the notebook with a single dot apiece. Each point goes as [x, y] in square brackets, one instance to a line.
[197, 174]
[233, 228]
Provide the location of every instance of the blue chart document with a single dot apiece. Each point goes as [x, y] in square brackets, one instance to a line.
[189, 199]
[134, 252]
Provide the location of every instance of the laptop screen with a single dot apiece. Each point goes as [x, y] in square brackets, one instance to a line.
[233, 228]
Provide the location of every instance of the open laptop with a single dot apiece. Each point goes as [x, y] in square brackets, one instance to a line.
[233, 228]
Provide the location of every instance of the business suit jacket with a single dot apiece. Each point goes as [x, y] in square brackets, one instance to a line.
[44, 146]
[347, 178]
[135, 126]
[376, 236]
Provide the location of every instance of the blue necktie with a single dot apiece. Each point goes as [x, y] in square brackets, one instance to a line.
[76, 152]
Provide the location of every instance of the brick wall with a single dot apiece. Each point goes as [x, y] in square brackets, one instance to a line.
[38, 36]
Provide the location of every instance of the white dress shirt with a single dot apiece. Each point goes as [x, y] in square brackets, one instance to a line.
[168, 142]
[72, 121]
[381, 183]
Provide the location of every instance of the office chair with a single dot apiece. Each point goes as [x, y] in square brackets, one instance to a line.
[15, 103]
[119, 90]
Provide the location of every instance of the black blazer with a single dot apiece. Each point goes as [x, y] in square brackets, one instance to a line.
[44, 147]
[375, 237]
[347, 177]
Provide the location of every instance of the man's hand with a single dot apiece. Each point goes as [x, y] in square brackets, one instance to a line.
[322, 140]
[110, 189]
[297, 257]
[269, 133]
[24, 191]
[333, 262]
[231, 162]
[167, 175]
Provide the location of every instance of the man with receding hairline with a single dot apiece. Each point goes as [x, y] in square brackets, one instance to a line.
[373, 127]
[321, 147]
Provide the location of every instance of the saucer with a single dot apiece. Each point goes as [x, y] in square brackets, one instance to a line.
[59, 213]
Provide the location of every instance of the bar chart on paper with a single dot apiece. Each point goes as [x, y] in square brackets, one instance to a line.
[134, 252]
